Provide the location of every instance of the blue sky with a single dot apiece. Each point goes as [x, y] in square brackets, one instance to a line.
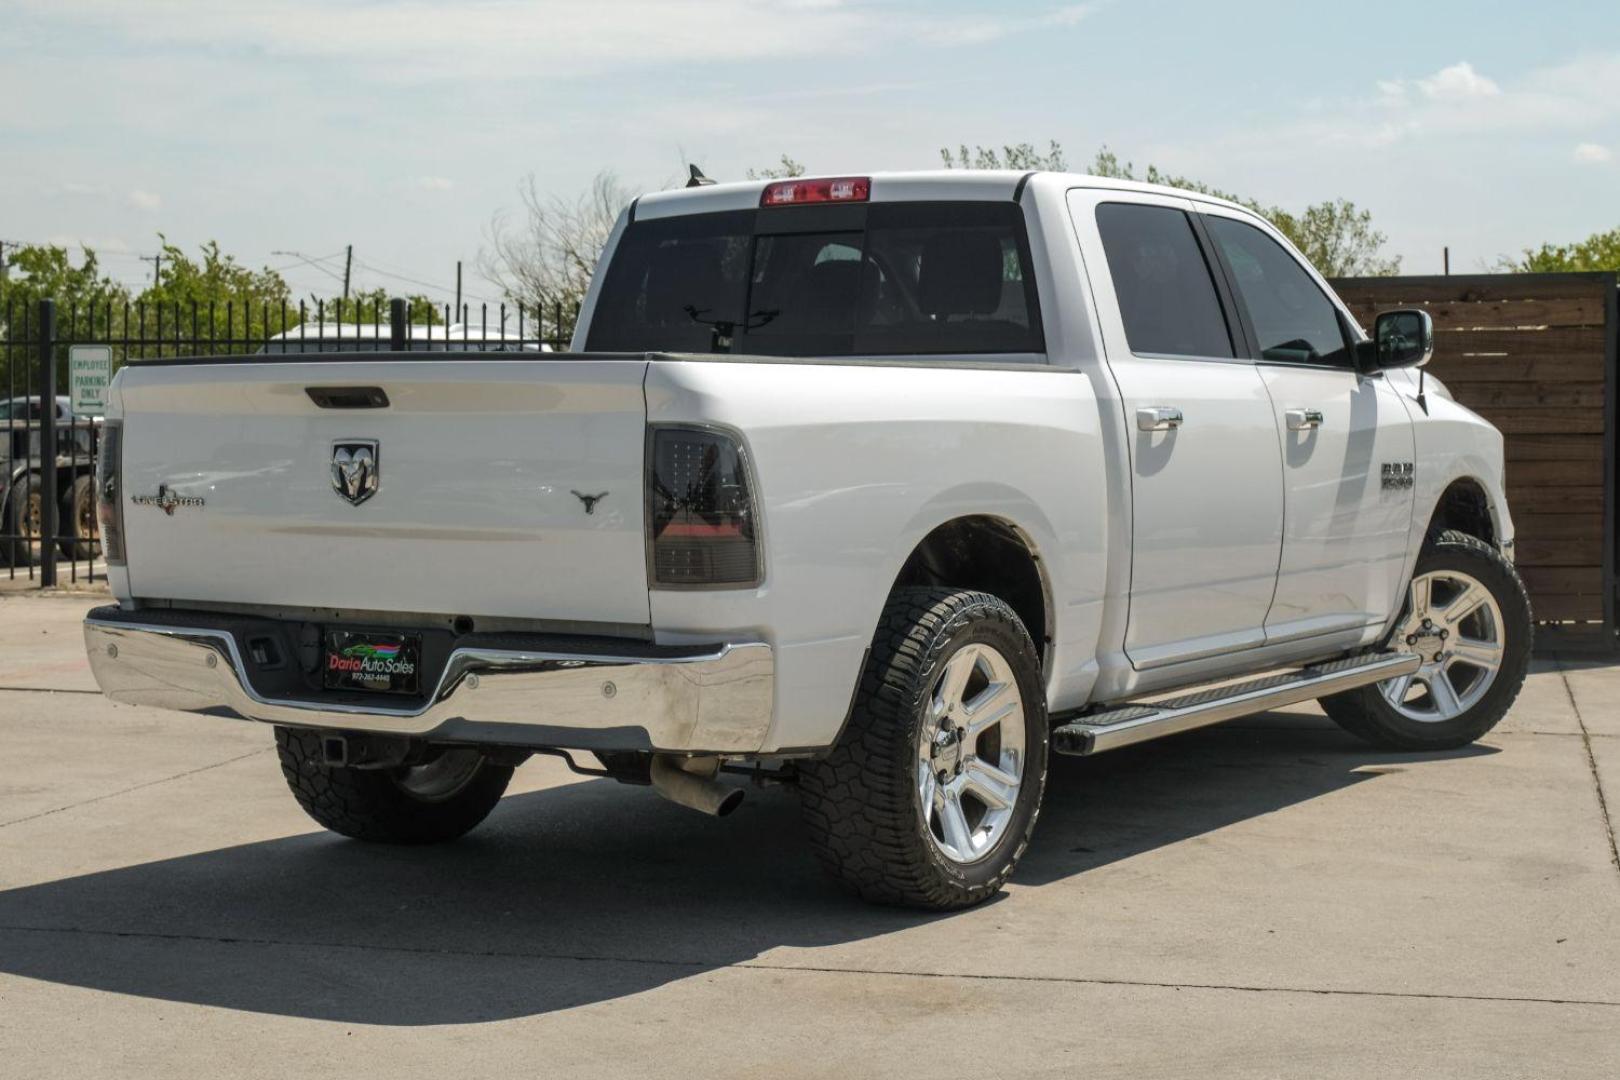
[401, 128]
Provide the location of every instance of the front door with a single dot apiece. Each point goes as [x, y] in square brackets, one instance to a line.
[1347, 444]
[1206, 474]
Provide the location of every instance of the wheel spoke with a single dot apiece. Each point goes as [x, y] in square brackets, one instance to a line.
[954, 824]
[928, 790]
[1443, 694]
[1470, 600]
[988, 715]
[1396, 689]
[957, 672]
[990, 785]
[1420, 596]
[1481, 654]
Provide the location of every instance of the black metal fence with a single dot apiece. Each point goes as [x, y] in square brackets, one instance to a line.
[48, 453]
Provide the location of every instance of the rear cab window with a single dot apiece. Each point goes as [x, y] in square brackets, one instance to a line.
[879, 279]
[1165, 287]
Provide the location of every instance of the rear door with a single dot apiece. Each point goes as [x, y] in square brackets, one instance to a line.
[1206, 474]
[1347, 443]
[502, 487]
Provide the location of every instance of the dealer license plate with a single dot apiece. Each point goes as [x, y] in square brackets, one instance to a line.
[381, 663]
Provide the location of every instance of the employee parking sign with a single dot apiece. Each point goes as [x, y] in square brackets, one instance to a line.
[89, 372]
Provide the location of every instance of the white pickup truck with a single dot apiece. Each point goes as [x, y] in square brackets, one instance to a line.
[885, 487]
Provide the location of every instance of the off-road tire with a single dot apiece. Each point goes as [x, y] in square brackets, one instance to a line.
[17, 532]
[1366, 714]
[369, 804]
[860, 803]
[76, 518]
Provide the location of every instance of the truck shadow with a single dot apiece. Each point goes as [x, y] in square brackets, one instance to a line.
[591, 891]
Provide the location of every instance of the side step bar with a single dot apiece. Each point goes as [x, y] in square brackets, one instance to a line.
[1138, 723]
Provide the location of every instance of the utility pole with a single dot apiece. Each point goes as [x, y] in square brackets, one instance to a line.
[458, 317]
[348, 262]
[157, 264]
[1446, 256]
[2, 260]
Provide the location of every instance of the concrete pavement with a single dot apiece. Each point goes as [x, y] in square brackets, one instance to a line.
[1264, 899]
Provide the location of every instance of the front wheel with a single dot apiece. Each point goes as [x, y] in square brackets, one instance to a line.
[1467, 619]
[932, 792]
[437, 798]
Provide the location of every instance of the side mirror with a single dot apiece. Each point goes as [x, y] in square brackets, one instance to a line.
[1403, 338]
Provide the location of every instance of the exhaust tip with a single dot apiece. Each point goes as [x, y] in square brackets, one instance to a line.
[693, 790]
[733, 799]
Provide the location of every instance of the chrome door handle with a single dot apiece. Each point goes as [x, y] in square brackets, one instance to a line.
[1158, 418]
[1304, 419]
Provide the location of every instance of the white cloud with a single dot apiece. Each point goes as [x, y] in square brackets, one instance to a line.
[145, 200]
[522, 39]
[976, 30]
[80, 188]
[435, 183]
[1460, 100]
[1459, 82]
[1592, 154]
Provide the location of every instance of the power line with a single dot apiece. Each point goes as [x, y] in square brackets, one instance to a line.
[313, 262]
[442, 290]
[100, 253]
[308, 260]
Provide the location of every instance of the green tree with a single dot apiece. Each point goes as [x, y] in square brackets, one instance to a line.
[83, 294]
[1600, 251]
[786, 169]
[211, 297]
[371, 305]
[36, 272]
[1021, 156]
[1336, 236]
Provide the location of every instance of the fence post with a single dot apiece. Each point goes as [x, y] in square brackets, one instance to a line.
[47, 443]
[396, 325]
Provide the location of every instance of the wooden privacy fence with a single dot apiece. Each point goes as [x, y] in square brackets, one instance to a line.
[1535, 355]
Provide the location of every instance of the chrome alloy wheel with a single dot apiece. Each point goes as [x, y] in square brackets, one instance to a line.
[1454, 625]
[441, 777]
[970, 754]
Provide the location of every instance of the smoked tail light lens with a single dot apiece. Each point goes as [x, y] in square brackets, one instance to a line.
[700, 511]
[109, 492]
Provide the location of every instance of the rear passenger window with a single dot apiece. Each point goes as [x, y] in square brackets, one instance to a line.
[1166, 294]
[1293, 318]
[903, 279]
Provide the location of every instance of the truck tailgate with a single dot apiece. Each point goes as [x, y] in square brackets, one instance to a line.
[508, 487]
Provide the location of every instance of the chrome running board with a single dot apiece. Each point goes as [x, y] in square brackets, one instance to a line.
[1127, 724]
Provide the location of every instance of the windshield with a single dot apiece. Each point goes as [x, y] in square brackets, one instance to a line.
[878, 280]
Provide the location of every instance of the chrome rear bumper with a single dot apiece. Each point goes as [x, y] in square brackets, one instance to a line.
[710, 699]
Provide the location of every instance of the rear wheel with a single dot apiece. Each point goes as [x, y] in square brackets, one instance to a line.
[21, 522]
[930, 797]
[1467, 619]
[440, 797]
[77, 519]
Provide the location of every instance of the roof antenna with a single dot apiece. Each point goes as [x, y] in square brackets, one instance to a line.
[697, 179]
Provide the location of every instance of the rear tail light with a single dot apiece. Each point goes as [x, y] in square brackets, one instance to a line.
[797, 192]
[700, 510]
[109, 492]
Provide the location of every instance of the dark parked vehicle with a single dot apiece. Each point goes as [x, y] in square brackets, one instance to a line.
[21, 508]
